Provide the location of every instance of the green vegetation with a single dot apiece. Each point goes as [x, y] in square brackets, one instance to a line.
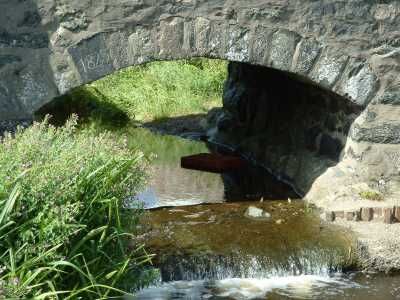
[63, 230]
[154, 91]
[161, 149]
[371, 195]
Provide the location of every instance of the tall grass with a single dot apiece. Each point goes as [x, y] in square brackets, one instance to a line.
[63, 231]
[149, 92]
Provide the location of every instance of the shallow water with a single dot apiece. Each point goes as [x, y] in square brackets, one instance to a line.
[284, 287]
[206, 248]
[169, 184]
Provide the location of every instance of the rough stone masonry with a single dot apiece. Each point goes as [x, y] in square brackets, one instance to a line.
[350, 48]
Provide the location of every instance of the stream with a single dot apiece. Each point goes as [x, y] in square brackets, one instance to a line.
[207, 246]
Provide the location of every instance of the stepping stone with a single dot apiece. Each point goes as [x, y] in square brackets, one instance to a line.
[367, 213]
[339, 214]
[353, 215]
[397, 213]
[349, 216]
[330, 216]
[388, 217]
[378, 212]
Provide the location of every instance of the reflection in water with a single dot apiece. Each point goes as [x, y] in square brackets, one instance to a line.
[212, 251]
[253, 183]
[170, 185]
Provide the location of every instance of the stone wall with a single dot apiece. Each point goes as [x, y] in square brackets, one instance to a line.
[47, 47]
[351, 48]
[292, 126]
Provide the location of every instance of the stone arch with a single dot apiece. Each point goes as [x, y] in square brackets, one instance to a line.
[350, 48]
[176, 38]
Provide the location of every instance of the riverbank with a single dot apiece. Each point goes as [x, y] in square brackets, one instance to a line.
[378, 243]
[364, 210]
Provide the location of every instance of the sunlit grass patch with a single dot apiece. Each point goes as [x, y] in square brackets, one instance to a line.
[153, 91]
[371, 195]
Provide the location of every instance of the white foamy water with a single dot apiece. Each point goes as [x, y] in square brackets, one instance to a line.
[299, 287]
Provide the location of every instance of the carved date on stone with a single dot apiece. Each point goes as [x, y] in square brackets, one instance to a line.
[93, 61]
[92, 58]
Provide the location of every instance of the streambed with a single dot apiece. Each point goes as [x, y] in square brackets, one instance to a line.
[207, 248]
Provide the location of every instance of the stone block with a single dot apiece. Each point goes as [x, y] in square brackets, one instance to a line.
[339, 214]
[117, 42]
[31, 19]
[357, 215]
[390, 95]
[171, 38]
[382, 133]
[188, 45]
[92, 58]
[353, 215]
[8, 59]
[283, 46]
[202, 29]
[306, 54]
[35, 87]
[388, 215]
[359, 84]
[329, 68]
[217, 41]
[367, 214]
[141, 46]
[10, 106]
[33, 40]
[260, 44]
[238, 41]
[329, 216]
[349, 216]
[397, 213]
[378, 212]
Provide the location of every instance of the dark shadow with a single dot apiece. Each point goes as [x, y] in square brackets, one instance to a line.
[89, 104]
[253, 183]
[185, 126]
[294, 128]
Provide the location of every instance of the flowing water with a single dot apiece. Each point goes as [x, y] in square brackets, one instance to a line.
[208, 247]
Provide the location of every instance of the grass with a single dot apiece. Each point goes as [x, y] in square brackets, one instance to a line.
[154, 91]
[371, 195]
[63, 231]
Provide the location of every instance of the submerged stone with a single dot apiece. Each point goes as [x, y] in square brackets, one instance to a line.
[254, 212]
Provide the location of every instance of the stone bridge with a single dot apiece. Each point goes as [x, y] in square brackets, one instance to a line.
[350, 48]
